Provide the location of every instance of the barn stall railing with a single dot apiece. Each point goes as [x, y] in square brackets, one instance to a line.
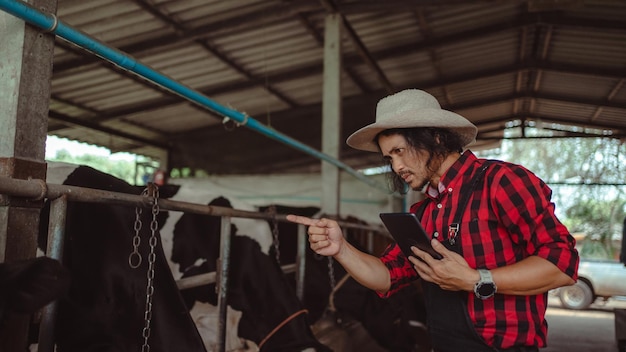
[37, 190]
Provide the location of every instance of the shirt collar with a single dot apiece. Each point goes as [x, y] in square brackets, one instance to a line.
[449, 176]
[434, 193]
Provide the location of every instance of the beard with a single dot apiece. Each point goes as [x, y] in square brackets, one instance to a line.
[423, 181]
[420, 181]
[422, 186]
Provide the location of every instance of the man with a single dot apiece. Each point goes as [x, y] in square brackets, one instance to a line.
[501, 253]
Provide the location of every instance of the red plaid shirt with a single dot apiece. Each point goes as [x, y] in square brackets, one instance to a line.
[510, 219]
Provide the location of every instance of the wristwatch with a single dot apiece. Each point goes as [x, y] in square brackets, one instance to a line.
[485, 287]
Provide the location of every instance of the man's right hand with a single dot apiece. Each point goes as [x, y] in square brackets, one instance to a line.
[326, 238]
[325, 235]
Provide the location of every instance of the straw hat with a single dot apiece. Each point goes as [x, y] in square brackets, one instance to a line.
[408, 109]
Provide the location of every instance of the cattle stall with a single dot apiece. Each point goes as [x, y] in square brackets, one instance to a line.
[60, 195]
[51, 24]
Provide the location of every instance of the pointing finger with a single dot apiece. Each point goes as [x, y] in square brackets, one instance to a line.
[303, 220]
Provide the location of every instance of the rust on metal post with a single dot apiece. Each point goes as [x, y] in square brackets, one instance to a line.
[25, 73]
[22, 170]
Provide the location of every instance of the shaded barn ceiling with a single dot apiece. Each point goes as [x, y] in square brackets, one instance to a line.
[556, 65]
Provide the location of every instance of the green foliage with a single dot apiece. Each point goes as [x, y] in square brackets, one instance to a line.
[184, 172]
[588, 183]
[572, 160]
[600, 220]
[122, 169]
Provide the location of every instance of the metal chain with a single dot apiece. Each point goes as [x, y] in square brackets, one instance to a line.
[331, 273]
[136, 241]
[151, 191]
[272, 210]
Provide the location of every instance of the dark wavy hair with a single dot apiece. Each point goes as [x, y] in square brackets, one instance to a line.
[437, 142]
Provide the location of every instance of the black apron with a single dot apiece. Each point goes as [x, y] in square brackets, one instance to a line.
[451, 328]
[448, 320]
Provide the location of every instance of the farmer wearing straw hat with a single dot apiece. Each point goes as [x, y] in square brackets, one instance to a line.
[489, 292]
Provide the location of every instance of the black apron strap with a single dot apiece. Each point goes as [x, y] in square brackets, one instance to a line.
[448, 319]
[453, 229]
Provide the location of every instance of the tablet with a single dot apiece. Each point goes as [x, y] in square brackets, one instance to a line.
[407, 231]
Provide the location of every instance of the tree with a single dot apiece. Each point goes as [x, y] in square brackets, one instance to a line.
[600, 220]
[587, 177]
[122, 169]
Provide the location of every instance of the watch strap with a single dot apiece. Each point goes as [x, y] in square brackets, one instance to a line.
[485, 275]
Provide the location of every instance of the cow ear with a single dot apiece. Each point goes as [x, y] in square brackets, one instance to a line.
[168, 190]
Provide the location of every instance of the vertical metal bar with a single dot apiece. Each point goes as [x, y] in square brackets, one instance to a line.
[331, 113]
[222, 281]
[56, 240]
[301, 262]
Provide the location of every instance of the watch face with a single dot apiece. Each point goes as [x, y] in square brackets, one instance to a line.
[486, 289]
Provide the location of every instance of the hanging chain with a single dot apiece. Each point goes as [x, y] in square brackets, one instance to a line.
[151, 191]
[272, 210]
[331, 273]
[136, 241]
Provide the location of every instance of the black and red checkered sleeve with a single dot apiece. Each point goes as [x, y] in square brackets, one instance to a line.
[400, 269]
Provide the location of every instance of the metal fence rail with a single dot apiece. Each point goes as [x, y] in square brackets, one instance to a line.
[58, 195]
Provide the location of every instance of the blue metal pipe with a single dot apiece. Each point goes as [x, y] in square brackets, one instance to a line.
[51, 24]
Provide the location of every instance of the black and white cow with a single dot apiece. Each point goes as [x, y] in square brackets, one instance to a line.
[394, 324]
[105, 307]
[261, 291]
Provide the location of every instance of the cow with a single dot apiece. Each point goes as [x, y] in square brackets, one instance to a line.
[27, 285]
[395, 324]
[261, 291]
[105, 306]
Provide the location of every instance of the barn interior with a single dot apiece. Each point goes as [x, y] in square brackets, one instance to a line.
[275, 87]
[505, 65]
[253, 88]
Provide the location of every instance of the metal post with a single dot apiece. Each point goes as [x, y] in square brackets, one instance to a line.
[56, 241]
[222, 281]
[25, 71]
[301, 262]
[331, 112]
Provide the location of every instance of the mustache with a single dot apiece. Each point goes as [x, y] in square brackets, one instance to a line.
[403, 173]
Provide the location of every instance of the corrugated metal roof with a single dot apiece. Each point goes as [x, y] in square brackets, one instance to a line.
[502, 64]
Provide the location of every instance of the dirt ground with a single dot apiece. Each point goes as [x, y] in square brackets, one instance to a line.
[591, 330]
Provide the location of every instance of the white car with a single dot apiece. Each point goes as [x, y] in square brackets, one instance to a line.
[596, 279]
